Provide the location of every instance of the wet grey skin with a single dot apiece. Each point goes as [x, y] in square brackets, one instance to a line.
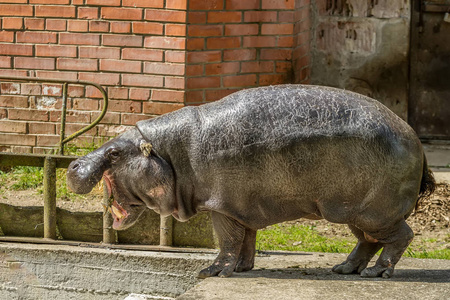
[267, 155]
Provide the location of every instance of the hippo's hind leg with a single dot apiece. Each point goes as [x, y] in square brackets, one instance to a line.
[231, 236]
[360, 256]
[246, 259]
[398, 238]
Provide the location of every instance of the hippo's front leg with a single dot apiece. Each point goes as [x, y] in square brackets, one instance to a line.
[231, 236]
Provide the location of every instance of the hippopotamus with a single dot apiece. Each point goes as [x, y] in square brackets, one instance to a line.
[267, 155]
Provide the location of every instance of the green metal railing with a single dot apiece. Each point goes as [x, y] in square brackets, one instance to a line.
[51, 162]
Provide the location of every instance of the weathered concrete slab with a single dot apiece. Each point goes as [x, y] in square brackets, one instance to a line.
[296, 275]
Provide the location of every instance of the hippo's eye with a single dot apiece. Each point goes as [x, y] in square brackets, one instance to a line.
[113, 155]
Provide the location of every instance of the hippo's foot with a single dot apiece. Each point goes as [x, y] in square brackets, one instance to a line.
[246, 259]
[349, 267]
[221, 267]
[378, 271]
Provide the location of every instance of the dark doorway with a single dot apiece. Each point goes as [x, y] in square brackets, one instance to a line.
[429, 93]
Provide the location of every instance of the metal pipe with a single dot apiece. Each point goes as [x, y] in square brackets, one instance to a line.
[63, 119]
[166, 231]
[50, 198]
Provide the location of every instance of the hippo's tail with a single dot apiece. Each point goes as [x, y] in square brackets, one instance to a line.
[428, 184]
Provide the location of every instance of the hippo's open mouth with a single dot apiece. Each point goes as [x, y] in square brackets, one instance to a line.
[123, 215]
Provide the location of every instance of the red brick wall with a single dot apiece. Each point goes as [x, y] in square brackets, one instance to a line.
[152, 56]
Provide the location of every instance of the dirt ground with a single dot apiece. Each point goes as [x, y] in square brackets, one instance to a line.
[430, 222]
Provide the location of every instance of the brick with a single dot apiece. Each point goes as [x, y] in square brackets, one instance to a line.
[13, 101]
[276, 4]
[77, 64]
[174, 82]
[158, 108]
[101, 78]
[276, 54]
[12, 23]
[139, 94]
[286, 17]
[239, 54]
[109, 118]
[205, 30]
[142, 80]
[41, 128]
[173, 16]
[142, 54]
[13, 127]
[224, 17]
[15, 73]
[204, 56]
[6, 36]
[283, 67]
[196, 17]
[34, 63]
[165, 42]
[77, 25]
[206, 5]
[88, 12]
[260, 16]
[99, 52]
[144, 3]
[98, 26]
[13, 1]
[122, 66]
[122, 40]
[52, 89]
[16, 10]
[118, 93]
[34, 24]
[175, 29]
[79, 38]
[176, 4]
[164, 68]
[92, 92]
[17, 139]
[5, 61]
[196, 44]
[239, 80]
[75, 91]
[132, 119]
[10, 88]
[116, 13]
[203, 82]
[269, 79]
[194, 70]
[259, 41]
[57, 75]
[55, 11]
[277, 29]
[222, 68]
[168, 95]
[194, 97]
[223, 43]
[22, 149]
[120, 27]
[72, 128]
[242, 5]
[241, 29]
[175, 56]
[28, 114]
[124, 106]
[56, 50]
[103, 2]
[47, 140]
[147, 28]
[257, 67]
[285, 42]
[111, 130]
[3, 113]
[85, 104]
[71, 116]
[213, 95]
[49, 1]
[56, 25]
[36, 37]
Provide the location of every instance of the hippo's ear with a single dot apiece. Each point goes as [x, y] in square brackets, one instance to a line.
[145, 129]
[146, 148]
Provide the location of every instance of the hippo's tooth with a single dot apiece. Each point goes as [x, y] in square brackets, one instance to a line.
[117, 212]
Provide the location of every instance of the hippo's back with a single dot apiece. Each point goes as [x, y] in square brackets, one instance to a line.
[275, 117]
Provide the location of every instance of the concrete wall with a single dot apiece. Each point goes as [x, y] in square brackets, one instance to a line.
[66, 272]
[363, 46]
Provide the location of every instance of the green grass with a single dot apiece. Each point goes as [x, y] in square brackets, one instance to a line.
[294, 237]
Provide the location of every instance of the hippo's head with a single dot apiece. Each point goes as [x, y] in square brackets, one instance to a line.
[135, 176]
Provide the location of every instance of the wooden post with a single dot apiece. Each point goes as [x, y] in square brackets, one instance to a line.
[166, 231]
[50, 198]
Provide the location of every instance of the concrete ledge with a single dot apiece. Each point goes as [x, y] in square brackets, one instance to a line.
[30, 271]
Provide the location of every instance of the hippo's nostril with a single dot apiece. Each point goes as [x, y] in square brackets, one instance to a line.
[75, 166]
